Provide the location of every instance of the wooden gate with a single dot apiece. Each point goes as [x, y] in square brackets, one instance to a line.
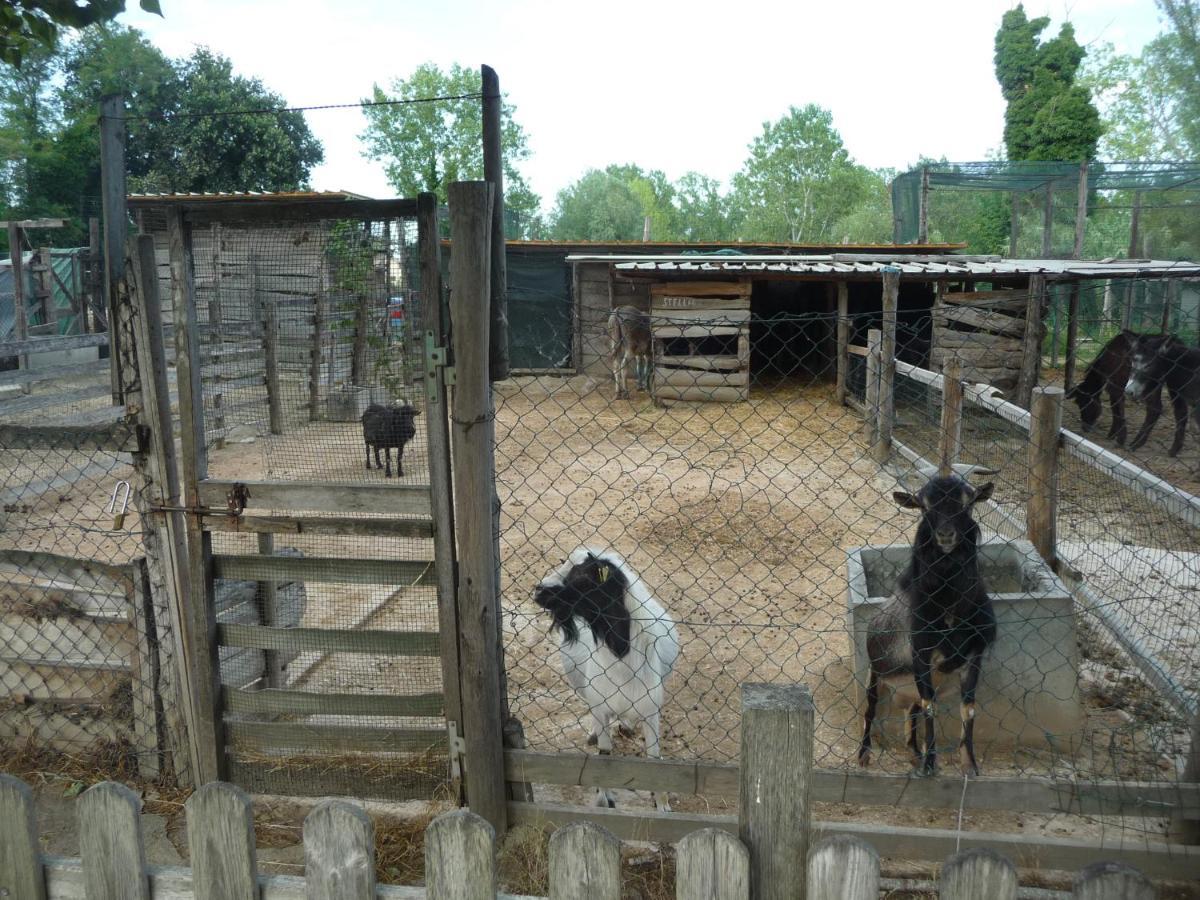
[316, 593]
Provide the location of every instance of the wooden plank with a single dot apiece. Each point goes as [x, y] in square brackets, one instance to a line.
[322, 496]
[324, 569]
[20, 864]
[279, 211]
[110, 843]
[55, 636]
[1029, 794]
[585, 863]
[984, 320]
[339, 853]
[670, 304]
[55, 570]
[695, 331]
[330, 640]
[699, 317]
[887, 365]
[460, 854]
[220, 829]
[24, 346]
[473, 438]
[948, 338]
[714, 865]
[119, 436]
[702, 394]
[978, 357]
[331, 738]
[373, 777]
[144, 670]
[282, 702]
[684, 378]
[978, 874]
[702, 363]
[950, 432]
[1009, 301]
[843, 867]
[1031, 352]
[38, 602]
[1042, 503]
[50, 373]
[857, 350]
[701, 289]
[339, 525]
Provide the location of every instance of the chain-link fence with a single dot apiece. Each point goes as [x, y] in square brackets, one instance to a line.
[770, 536]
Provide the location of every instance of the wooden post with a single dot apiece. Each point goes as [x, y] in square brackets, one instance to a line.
[1111, 881]
[197, 620]
[1072, 335]
[952, 407]
[1135, 218]
[339, 852]
[1041, 507]
[220, 829]
[1031, 350]
[923, 208]
[712, 864]
[843, 339]
[270, 339]
[20, 310]
[1055, 327]
[111, 849]
[437, 430]
[473, 471]
[116, 223]
[1048, 221]
[843, 867]
[1081, 211]
[460, 847]
[776, 779]
[887, 365]
[1014, 225]
[493, 172]
[978, 874]
[585, 863]
[871, 394]
[21, 873]
[1183, 830]
[314, 363]
[269, 592]
[43, 269]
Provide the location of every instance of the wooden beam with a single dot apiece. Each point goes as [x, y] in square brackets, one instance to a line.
[205, 212]
[278, 702]
[26, 224]
[493, 172]
[1042, 502]
[24, 346]
[887, 363]
[1072, 336]
[116, 222]
[333, 525]
[951, 424]
[320, 496]
[328, 640]
[119, 436]
[324, 570]
[332, 738]
[1031, 351]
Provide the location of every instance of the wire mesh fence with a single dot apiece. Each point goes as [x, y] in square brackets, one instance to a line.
[768, 535]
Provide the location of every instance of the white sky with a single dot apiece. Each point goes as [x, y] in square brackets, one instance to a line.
[667, 85]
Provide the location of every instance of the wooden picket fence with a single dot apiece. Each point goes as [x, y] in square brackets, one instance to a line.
[460, 859]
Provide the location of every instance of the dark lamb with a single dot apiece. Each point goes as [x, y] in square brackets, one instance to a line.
[1109, 372]
[385, 427]
[940, 617]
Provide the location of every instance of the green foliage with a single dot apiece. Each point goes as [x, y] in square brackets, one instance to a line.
[600, 206]
[798, 182]
[704, 213]
[427, 146]
[28, 24]
[1049, 116]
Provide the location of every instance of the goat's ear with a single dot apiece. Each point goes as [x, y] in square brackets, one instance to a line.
[983, 493]
[908, 501]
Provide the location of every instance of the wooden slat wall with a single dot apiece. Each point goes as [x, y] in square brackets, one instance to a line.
[694, 311]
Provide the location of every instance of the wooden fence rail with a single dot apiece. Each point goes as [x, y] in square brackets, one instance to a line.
[460, 859]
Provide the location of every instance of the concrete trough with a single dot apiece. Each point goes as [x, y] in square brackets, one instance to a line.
[1028, 692]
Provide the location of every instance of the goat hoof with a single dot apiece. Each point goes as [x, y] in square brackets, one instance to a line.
[593, 740]
[864, 759]
[661, 805]
[625, 731]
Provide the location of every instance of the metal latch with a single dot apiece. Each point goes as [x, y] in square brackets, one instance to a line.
[458, 749]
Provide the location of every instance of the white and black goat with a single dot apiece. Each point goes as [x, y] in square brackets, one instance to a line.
[618, 646]
[938, 618]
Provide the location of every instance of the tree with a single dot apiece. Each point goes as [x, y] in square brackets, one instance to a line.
[26, 24]
[704, 213]
[600, 206]
[1049, 116]
[426, 144]
[798, 181]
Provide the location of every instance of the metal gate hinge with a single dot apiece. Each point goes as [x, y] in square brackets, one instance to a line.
[435, 367]
[458, 749]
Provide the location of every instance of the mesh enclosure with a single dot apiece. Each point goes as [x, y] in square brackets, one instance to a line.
[770, 537]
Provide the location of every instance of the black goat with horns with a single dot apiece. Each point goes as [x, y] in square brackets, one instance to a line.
[939, 617]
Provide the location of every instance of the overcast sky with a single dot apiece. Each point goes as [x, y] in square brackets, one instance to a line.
[667, 85]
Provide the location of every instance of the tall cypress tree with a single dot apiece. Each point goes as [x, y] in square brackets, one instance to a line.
[1049, 116]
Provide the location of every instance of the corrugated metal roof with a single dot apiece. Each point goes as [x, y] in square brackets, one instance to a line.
[150, 199]
[926, 267]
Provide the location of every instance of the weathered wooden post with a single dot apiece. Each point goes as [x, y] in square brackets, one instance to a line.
[116, 222]
[843, 339]
[871, 394]
[952, 409]
[473, 468]
[493, 172]
[269, 593]
[978, 874]
[1072, 336]
[1031, 349]
[111, 847]
[843, 867]
[21, 873]
[713, 864]
[460, 847]
[1183, 829]
[1041, 508]
[20, 310]
[339, 853]
[776, 778]
[585, 863]
[270, 341]
[887, 365]
[1111, 881]
[220, 829]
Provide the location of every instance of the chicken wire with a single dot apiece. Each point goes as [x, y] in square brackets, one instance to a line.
[741, 518]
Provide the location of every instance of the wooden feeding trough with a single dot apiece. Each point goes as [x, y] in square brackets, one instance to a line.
[701, 333]
[1029, 689]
